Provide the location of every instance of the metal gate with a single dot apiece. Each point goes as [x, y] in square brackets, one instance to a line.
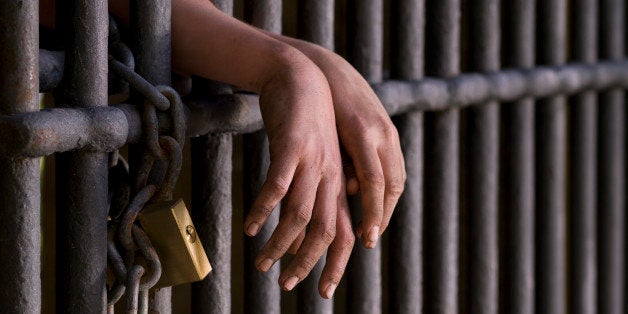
[512, 121]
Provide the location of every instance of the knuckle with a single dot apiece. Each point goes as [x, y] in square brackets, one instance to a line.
[305, 264]
[327, 234]
[396, 186]
[265, 210]
[345, 243]
[278, 186]
[390, 132]
[336, 273]
[301, 214]
[374, 178]
[279, 245]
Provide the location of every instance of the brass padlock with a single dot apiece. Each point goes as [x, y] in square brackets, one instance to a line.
[170, 229]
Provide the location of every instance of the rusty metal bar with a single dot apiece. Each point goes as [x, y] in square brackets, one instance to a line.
[517, 168]
[81, 177]
[582, 187]
[406, 230]
[315, 24]
[365, 28]
[262, 293]
[611, 169]
[480, 176]
[19, 176]
[441, 163]
[150, 27]
[105, 129]
[212, 209]
[550, 166]
[212, 213]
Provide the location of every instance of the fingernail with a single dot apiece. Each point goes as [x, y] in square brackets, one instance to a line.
[329, 292]
[290, 283]
[252, 229]
[373, 234]
[265, 264]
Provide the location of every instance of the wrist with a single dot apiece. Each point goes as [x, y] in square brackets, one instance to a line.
[292, 69]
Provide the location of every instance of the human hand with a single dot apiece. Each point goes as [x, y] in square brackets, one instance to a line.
[374, 164]
[297, 109]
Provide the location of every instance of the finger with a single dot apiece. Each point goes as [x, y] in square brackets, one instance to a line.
[372, 185]
[277, 183]
[320, 235]
[295, 218]
[297, 243]
[338, 253]
[395, 178]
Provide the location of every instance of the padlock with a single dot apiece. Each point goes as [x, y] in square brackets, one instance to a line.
[170, 229]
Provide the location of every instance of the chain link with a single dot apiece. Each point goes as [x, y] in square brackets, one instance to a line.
[125, 235]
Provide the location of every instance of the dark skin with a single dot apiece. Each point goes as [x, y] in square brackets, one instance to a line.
[312, 101]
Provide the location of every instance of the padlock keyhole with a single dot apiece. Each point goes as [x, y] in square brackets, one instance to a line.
[191, 233]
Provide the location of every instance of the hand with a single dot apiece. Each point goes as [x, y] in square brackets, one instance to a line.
[375, 164]
[297, 109]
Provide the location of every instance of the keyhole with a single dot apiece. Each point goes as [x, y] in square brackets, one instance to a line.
[191, 233]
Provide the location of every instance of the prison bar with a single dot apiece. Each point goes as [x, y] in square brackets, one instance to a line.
[405, 288]
[212, 214]
[212, 208]
[517, 169]
[262, 293]
[19, 176]
[104, 129]
[150, 30]
[442, 58]
[316, 24]
[611, 169]
[596, 244]
[550, 166]
[480, 176]
[365, 52]
[81, 176]
[582, 188]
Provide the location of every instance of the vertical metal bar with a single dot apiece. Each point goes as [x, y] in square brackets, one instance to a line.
[441, 163]
[365, 53]
[481, 173]
[212, 209]
[81, 177]
[550, 166]
[151, 33]
[316, 24]
[262, 293]
[517, 172]
[406, 264]
[366, 33]
[19, 177]
[265, 14]
[212, 214]
[582, 168]
[611, 170]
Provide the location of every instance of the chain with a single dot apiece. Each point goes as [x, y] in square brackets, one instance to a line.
[151, 185]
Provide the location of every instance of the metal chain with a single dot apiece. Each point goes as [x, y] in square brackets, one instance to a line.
[125, 235]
